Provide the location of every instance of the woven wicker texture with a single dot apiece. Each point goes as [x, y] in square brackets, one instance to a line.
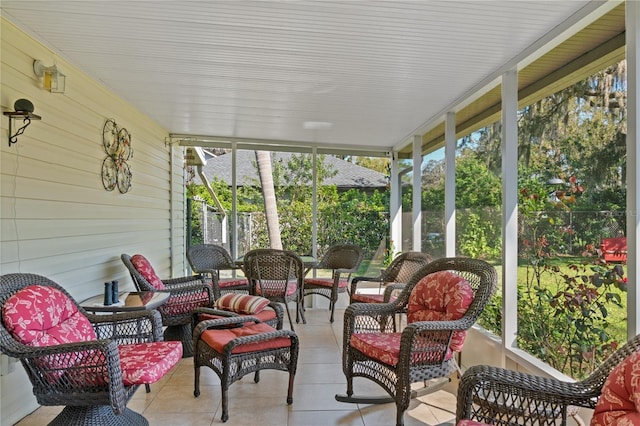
[186, 294]
[88, 402]
[399, 272]
[271, 273]
[342, 260]
[421, 353]
[505, 397]
[231, 367]
[208, 260]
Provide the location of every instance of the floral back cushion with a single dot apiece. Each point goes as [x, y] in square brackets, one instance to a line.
[441, 296]
[619, 403]
[143, 266]
[44, 316]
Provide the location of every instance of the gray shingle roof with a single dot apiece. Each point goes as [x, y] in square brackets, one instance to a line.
[348, 175]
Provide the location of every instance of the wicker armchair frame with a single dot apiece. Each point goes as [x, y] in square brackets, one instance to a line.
[87, 403]
[231, 367]
[423, 345]
[272, 271]
[208, 260]
[186, 293]
[343, 260]
[504, 397]
[399, 272]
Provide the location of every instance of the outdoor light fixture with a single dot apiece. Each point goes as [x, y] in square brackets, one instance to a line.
[23, 110]
[53, 80]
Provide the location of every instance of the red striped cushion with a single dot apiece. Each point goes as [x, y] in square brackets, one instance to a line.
[241, 303]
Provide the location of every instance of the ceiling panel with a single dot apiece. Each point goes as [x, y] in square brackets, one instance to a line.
[376, 70]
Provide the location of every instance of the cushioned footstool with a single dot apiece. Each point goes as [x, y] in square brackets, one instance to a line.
[235, 346]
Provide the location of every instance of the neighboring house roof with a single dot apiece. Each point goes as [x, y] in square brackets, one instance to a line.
[348, 175]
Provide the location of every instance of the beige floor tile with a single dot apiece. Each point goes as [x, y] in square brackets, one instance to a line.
[324, 418]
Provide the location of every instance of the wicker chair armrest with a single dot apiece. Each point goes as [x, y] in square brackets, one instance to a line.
[191, 288]
[142, 325]
[356, 280]
[171, 283]
[487, 392]
[390, 289]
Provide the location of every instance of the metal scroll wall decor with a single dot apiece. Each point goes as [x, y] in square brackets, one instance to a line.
[117, 144]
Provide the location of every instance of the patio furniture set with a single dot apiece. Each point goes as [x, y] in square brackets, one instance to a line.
[90, 363]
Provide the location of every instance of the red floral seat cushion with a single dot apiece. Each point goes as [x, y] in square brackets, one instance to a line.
[217, 339]
[471, 423]
[385, 347]
[619, 403]
[143, 266]
[232, 282]
[441, 296]
[292, 287]
[144, 363]
[325, 282]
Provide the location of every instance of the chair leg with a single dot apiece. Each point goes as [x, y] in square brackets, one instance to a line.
[290, 389]
[91, 414]
[196, 382]
[286, 305]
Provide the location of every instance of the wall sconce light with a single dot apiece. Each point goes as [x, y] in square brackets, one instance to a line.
[54, 81]
[23, 110]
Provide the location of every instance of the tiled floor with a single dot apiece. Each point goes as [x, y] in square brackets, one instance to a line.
[318, 379]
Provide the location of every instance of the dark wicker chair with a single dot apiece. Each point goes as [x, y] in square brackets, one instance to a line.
[187, 293]
[208, 260]
[423, 350]
[392, 278]
[276, 275]
[498, 396]
[81, 371]
[257, 347]
[342, 260]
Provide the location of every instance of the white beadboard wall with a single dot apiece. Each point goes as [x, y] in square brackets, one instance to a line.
[56, 219]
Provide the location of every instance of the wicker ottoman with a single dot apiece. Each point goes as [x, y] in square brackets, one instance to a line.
[236, 346]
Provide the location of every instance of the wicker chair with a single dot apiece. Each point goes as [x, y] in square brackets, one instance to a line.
[208, 260]
[276, 275]
[393, 278]
[89, 363]
[187, 293]
[498, 396]
[342, 260]
[425, 349]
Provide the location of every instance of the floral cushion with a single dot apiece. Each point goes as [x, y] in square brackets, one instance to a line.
[619, 403]
[325, 282]
[441, 296]
[217, 339]
[470, 423]
[370, 298]
[232, 282]
[385, 347]
[292, 287]
[241, 303]
[144, 363]
[143, 266]
[44, 316]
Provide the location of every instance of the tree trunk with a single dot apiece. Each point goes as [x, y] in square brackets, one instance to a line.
[263, 158]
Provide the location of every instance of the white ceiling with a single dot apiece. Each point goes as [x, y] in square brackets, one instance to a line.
[377, 71]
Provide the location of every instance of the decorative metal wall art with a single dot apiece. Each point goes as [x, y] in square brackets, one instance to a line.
[117, 144]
